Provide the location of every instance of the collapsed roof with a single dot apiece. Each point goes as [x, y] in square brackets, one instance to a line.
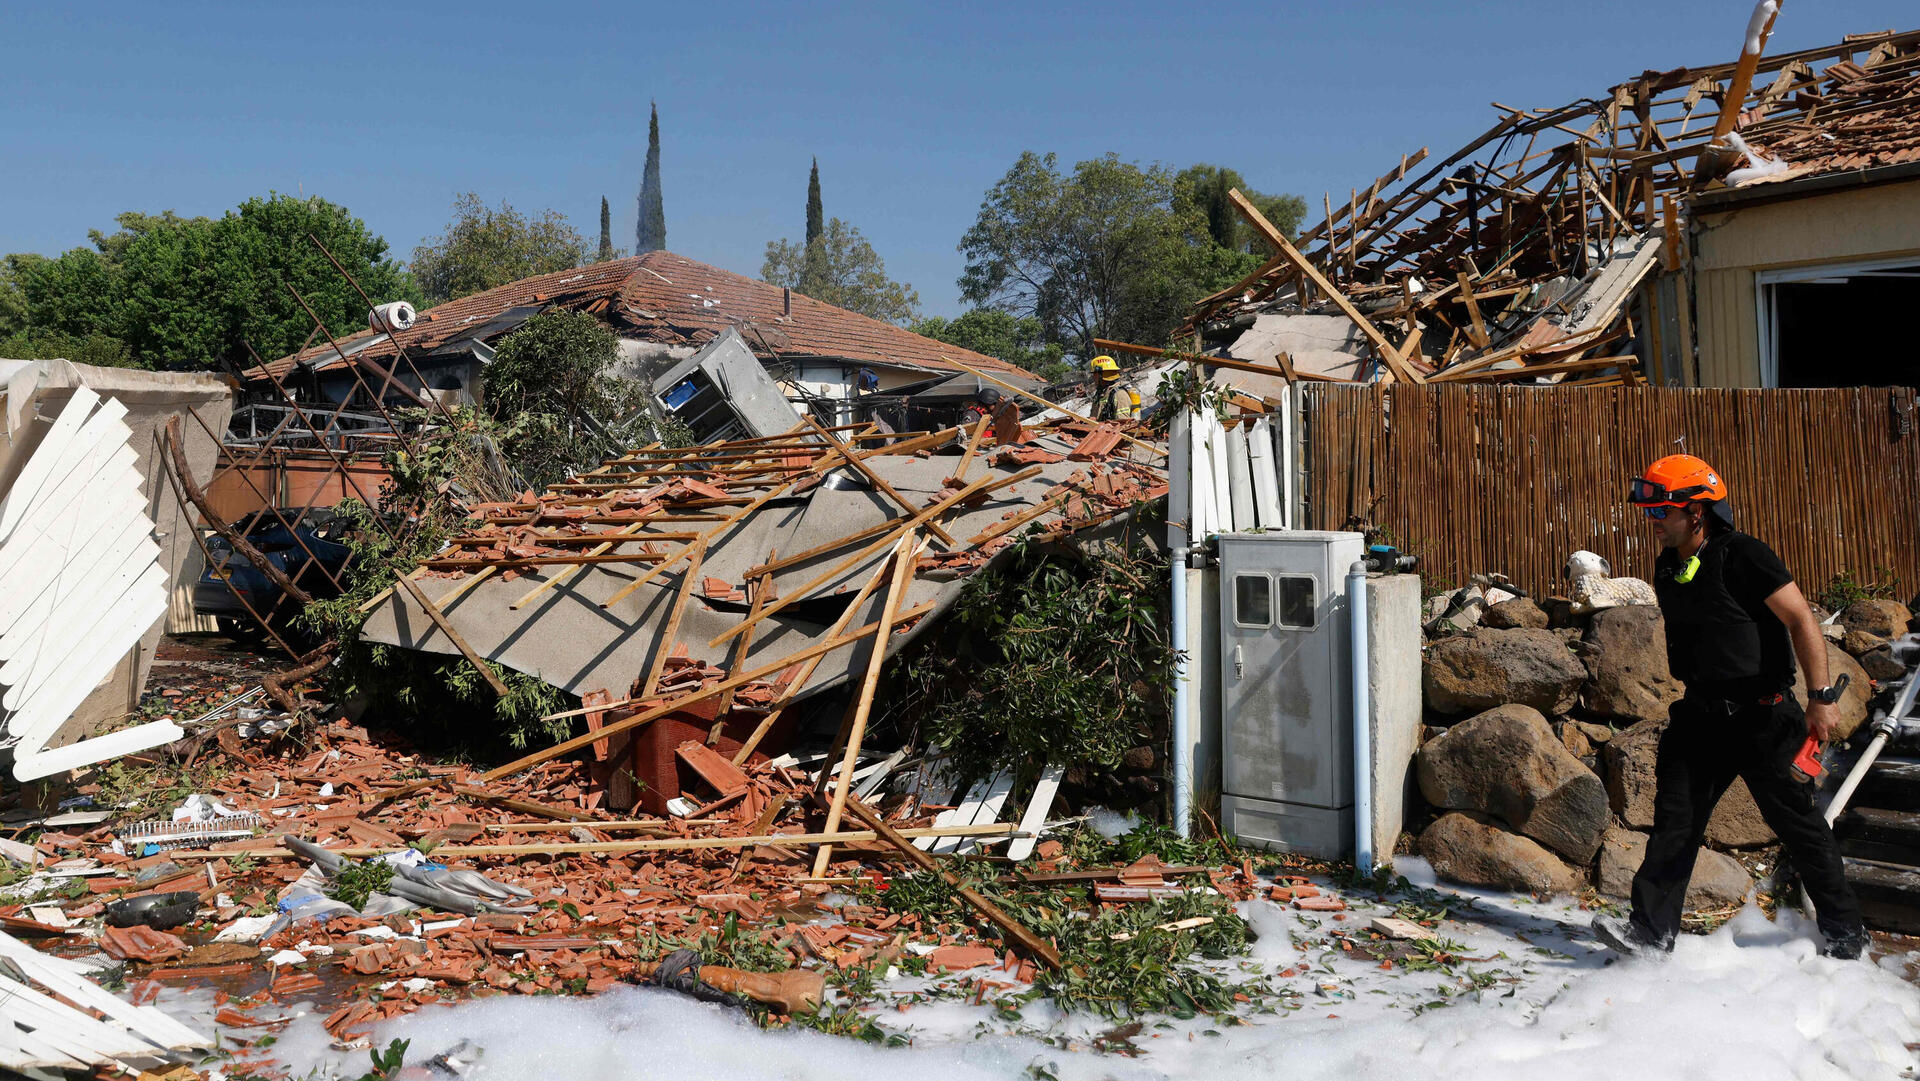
[1515, 257]
[666, 566]
[657, 297]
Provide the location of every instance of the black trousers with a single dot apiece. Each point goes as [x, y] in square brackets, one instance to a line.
[1706, 745]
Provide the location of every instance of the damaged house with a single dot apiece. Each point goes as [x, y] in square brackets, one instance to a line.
[666, 310]
[1651, 234]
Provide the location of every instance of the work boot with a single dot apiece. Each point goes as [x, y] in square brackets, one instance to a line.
[1625, 937]
[1845, 945]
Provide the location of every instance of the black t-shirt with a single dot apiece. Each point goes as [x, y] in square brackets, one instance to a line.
[1722, 639]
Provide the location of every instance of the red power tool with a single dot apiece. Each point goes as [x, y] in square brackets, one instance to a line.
[1806, 764]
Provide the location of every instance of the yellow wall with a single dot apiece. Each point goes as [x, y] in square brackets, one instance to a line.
[1729, 246]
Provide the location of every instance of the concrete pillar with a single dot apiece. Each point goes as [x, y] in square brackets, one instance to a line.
[1393, 686]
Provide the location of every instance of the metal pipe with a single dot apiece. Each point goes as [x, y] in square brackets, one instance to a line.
[1883, 730]
[1182, 741]
[1362, 719]
[1181, 498]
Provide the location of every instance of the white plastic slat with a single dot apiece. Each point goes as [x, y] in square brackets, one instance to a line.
[27, 485]
[1037, 810]
[981, 807]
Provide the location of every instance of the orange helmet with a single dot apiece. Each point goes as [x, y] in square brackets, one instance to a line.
[1675, 481]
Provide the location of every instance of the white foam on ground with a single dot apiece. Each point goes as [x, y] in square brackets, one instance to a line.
[1754, 1001]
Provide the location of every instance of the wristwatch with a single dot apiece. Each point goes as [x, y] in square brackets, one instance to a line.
[1829, 694]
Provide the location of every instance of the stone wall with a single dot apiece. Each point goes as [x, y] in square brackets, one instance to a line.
[1537, 762]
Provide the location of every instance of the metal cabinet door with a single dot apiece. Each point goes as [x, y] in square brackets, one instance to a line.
[1283, 718]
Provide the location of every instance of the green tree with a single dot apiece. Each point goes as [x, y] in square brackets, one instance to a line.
[606, 231]
[650, 231]
[1204, 188]
[815, 223]
[841, 268]
[1020, 341]
[550, 387]
[485, 247]
[1109, 250]
[197, 292]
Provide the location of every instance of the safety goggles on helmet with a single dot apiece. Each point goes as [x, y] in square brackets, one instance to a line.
[1649, 494]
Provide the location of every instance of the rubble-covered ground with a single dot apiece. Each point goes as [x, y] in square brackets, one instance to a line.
[1480, 985]
[1506, 987]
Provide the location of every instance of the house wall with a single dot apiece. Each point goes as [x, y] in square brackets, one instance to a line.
[1729, 246]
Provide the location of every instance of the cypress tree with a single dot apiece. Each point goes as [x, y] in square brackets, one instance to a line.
[816, 221]
[606, 231]
[650, 232]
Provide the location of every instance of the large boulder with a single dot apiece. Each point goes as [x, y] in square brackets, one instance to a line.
[1508, 763]
[1885, 618]
[1853, 700]
[1626, 654]
[1630, 757]
[1718, 880]
[1860, 643]
[1518, 612]
[1882, 666]
[1488, 667]
[1474, 851]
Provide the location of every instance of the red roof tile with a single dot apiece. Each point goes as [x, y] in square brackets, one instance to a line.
[663, 297]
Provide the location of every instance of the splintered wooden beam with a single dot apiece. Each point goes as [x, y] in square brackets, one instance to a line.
[875, 479]
[1390, 355]
[904, 555]
[614, 728]
[985, 484]
[799, 681]
[1038, 400]
[1040, 948]
[695, 557]
[1478, 333]
[440, 620]
[973, 447]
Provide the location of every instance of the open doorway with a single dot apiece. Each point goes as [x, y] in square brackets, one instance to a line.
[1839, 326]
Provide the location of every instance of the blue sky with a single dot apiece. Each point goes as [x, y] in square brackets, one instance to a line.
[913, 111]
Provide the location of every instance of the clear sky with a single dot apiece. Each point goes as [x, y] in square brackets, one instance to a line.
[914, 111]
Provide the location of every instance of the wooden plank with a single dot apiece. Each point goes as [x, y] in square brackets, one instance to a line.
[1038, 400]
[459, 641]
[623, 724]
[696, 555]
[799, 680]
[1040, 948]
[983, 805]
[985, 484]
[1390, 355]
[904, 555]
[973, 446]
[1477, 333]
[638, 844]
[878, 481]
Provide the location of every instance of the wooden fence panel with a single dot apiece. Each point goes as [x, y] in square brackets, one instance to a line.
[1514, 479]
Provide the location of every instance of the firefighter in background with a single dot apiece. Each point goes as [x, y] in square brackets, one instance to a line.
[1111, 400]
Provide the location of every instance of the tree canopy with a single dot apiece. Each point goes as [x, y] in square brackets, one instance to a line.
[170, 292]
[841, 268]
[1018, 340]
[1109, 250]
[485, 247]
[551, 388]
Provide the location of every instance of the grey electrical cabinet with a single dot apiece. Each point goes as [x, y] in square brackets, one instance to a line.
[1286, 711]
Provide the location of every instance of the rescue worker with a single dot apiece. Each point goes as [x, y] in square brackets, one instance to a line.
[1111, 400]
[1734, 622]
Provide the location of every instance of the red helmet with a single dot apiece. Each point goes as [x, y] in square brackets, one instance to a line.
[1675, 481]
